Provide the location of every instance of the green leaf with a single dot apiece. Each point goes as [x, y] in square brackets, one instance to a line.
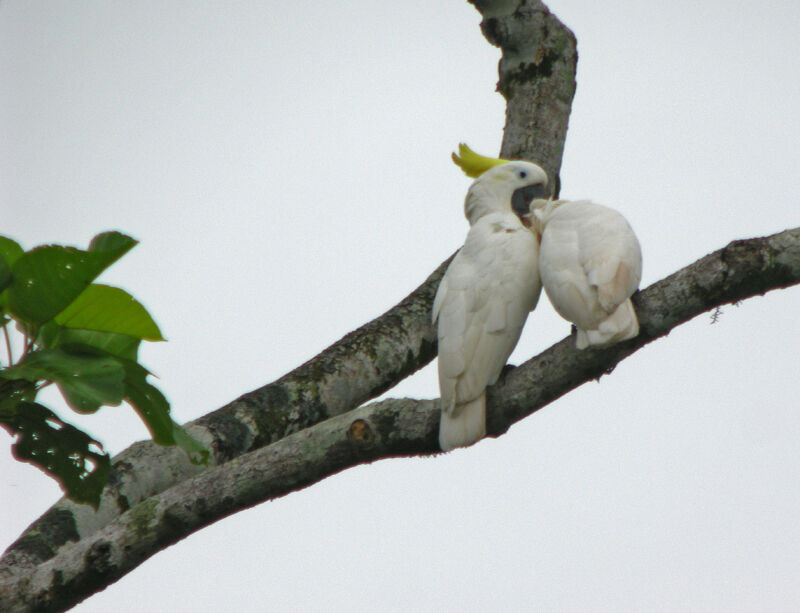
[5, 274]
[153, 408]
[121, 345]
[10, 251]
[113, 242]
[47, 279]
[61, 450]
[197, 452]
[109, 309]
[87, 378]
[148, 402]
[12, 392]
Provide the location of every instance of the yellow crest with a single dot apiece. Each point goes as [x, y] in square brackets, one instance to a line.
[473, 164]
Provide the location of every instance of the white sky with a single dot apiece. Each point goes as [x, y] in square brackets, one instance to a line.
[286, 169]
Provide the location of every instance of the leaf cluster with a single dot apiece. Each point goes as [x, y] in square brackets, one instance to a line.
[83, 337]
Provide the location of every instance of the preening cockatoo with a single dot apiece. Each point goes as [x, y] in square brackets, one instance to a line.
[487, 292]
[590, 263]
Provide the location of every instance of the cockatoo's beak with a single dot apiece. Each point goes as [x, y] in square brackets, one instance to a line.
[522, 198]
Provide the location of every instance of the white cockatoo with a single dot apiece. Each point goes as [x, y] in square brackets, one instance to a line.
[590, 263]
[487, 292]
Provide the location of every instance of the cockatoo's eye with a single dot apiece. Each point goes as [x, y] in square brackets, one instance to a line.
[522, 174]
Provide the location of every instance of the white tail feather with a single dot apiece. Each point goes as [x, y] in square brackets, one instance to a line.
[621, 325]
[464, 425]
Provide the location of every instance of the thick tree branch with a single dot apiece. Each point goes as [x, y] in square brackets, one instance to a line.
[537, 77]
[358, 367]
[390, 428]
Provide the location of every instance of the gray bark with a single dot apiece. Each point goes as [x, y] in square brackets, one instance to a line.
[389, 429]
[537, 79]
[364, 363]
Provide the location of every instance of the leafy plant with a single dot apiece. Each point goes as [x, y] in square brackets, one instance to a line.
[83, 337]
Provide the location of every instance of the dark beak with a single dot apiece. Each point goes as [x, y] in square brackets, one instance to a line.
[521, 198]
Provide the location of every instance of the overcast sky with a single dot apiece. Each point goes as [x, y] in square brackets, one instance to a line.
[285, 167]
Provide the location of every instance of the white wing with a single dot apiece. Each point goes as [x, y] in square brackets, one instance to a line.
[609, 254]
[590, 264]
[481, 306]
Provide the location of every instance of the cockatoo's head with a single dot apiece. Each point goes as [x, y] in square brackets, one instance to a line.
[501, 185]
[509, 187]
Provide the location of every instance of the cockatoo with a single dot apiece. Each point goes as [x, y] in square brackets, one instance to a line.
[487, 292]
[590, 264]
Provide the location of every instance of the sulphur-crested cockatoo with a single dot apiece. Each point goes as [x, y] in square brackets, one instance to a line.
[590, 263]
[487, 292]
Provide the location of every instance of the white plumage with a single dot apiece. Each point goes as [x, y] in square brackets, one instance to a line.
[590, 264]
[485, 296]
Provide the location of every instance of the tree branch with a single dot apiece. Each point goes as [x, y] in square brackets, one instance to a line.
[537, 77]
[358, 367]
[391, 428]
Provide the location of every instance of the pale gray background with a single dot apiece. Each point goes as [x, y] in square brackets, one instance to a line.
[286, 168]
